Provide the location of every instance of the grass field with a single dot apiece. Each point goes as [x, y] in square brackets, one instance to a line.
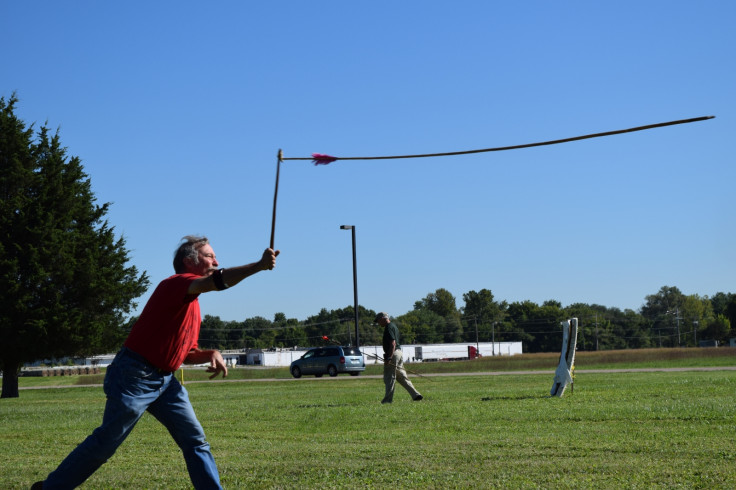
[616, 430]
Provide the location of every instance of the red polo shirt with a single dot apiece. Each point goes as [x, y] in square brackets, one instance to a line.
[168, 327]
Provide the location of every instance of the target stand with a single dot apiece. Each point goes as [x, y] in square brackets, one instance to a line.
[566, 366]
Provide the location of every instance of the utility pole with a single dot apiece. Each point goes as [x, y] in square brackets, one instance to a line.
[355, 285]
[677, 320]
[581, 331]
[493, 339]
[695, 333]
[596, 331]
[477, 343]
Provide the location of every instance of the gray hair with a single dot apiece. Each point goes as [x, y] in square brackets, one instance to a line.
[188, 249]
[382, 315]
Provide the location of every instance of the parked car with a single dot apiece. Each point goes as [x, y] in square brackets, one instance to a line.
[330, 360]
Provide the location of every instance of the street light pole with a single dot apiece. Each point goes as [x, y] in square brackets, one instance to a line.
[677, 319]
[355, 283]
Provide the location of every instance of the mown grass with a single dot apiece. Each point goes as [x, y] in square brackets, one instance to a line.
[616, 430]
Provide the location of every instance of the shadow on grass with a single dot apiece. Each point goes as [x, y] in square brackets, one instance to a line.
[512, 397]
[320, 405]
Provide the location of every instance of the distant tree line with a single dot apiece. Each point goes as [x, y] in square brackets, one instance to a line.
[668, 318]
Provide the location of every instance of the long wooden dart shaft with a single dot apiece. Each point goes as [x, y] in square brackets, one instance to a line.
[514, 147]
[275, 196]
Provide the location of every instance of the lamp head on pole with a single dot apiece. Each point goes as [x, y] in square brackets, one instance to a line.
[346, 227]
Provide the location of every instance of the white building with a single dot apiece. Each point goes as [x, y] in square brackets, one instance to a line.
[272, 357]
[440, 352]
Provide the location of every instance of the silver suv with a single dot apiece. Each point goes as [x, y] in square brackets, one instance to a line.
[330, 360]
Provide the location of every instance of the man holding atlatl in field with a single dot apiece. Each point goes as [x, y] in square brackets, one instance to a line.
[393, 361]
[141, 377]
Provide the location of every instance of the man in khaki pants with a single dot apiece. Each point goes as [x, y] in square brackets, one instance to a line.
[393, 360]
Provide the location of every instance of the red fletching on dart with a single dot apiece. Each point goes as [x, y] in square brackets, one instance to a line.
[320, 159]
[327, 339]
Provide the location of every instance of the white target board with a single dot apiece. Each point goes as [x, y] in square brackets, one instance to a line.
[563, 374]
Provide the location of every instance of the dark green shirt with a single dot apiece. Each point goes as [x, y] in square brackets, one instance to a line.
[390, 332]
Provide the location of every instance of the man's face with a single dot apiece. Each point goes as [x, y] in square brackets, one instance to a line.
[207, 262]
[383, 321]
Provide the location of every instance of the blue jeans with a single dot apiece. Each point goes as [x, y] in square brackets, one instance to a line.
[133, 386]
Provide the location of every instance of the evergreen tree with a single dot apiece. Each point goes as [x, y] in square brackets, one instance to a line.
[64, 276]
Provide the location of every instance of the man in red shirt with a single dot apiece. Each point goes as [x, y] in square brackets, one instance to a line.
[140, 378]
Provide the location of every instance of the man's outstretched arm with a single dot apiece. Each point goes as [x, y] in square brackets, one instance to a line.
[233, 275]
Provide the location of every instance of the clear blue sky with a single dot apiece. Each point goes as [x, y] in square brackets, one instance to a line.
[178, 109]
